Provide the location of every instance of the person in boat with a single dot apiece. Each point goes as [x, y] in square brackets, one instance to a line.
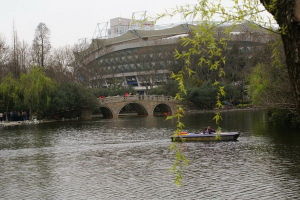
[208, 130]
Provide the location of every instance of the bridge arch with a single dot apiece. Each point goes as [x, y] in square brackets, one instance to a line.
[133, 108]
[162, 109]
[106, 112]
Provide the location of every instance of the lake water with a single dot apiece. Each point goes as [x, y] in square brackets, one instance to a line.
[130, 158]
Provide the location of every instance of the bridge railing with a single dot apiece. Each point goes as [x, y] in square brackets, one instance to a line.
[132, 98]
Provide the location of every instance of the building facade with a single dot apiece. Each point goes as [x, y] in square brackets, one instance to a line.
[144, 59]
[139, 58]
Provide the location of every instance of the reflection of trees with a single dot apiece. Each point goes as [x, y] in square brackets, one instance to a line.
[284, 146]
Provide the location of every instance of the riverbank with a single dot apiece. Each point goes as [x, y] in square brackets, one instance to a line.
[30, 122]
[18, 123]
[224, 110]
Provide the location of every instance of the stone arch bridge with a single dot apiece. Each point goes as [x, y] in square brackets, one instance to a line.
[142, 105]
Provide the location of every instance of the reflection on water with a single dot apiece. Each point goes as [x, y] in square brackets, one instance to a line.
[130, 159]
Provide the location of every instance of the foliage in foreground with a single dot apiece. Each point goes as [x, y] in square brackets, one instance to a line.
[209, 49]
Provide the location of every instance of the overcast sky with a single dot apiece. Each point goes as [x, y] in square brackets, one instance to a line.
[71, 20]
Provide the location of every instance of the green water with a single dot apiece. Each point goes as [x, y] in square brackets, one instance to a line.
[129, 158]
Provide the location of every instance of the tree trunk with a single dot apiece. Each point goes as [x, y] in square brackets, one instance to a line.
[42, 45]
[291, 42]
[287, 13]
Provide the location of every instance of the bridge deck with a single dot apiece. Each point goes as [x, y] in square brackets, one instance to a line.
[135, 98]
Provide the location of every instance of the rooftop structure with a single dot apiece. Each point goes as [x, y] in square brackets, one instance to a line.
[119, 25]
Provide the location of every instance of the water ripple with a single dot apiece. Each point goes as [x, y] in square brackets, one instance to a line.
[133, 163]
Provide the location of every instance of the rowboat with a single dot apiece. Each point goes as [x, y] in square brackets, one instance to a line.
[190, 137]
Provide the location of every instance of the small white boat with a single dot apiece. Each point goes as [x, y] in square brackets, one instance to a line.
[189, 137]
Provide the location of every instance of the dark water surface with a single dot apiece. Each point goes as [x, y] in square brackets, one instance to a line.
[130, 159]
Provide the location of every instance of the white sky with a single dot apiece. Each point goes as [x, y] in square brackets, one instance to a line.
[70, 20]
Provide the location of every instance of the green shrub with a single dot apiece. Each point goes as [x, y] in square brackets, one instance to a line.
[69, 99]
[203, 97]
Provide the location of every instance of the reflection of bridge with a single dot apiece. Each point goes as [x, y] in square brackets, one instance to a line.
[142, 105]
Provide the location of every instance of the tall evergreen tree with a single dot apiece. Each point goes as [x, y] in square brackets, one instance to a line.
[41, 44]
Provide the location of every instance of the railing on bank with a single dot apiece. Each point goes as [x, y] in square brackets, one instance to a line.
[131, 98]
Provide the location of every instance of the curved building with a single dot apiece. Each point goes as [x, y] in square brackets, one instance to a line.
[138, 58]
[144, 58]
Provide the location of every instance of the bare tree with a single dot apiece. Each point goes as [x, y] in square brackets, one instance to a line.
[4, 57]
[3, 51]
[41, 44]
[14, 64]
[18, 59]
[81, 73]
[61, 63]
[24, 56]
